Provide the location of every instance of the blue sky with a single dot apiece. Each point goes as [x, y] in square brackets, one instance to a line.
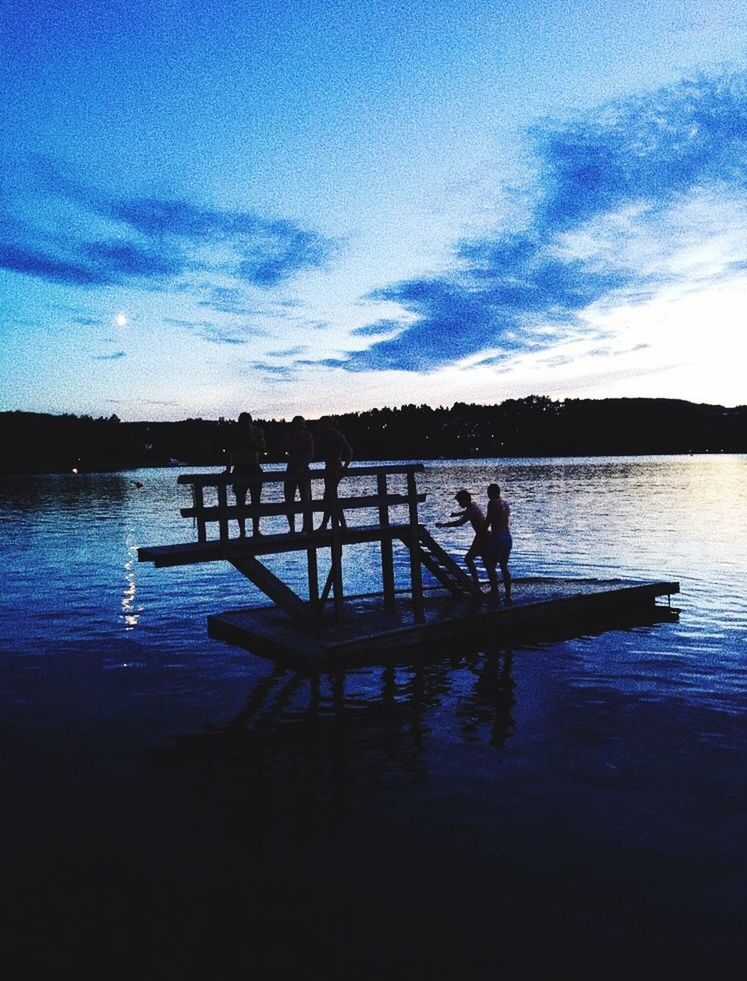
[327, 206]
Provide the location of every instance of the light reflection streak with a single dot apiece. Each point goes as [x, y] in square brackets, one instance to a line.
[130, 612]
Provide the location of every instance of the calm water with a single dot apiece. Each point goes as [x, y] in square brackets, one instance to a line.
[173, 803]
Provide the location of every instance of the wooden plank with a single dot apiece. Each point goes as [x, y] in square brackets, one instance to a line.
[222, 513]
[416, 573]
[314, 473]
[189, 553]
[387, 552]
[279, 508]
[199, 502]
[542, 605]
[336, 553]
[275, 589]
[313, 576]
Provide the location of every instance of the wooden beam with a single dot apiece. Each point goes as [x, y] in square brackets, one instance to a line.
[416, 573]
[275, 589]
[313, 576]
[336, 553]
[222, 512]
[280, 508]
[188, 553]
[314, 473]
[387, 553]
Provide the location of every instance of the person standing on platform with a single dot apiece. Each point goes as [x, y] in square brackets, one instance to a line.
[499, 542]
[336, 453]
[299, 448]
[248, 446]
[472, 513]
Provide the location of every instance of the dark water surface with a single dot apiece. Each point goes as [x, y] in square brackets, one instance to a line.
[173, 806]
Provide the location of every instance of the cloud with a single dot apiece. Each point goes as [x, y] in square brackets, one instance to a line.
[36, 262]
[637, 194]
[289, 352]
[155, 241]
[277, 372]
[216, 333]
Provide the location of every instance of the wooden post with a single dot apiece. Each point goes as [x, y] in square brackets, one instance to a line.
[223, 517]
[311, 565]
[387, 555]
[416, 575]
[336, 570]
[199, 502]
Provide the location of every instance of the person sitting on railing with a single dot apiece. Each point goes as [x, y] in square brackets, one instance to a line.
[247, 446]
[337, 454]
[299, 448]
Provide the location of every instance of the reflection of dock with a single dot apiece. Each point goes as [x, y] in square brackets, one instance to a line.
[308, 630]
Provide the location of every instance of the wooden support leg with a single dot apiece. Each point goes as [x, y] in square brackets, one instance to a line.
[337, 570]
[273, 587]
[387, 553]
[313, 570]
[416, 574]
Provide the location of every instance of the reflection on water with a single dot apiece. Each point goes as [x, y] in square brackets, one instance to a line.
[130, 611]
[308, 750]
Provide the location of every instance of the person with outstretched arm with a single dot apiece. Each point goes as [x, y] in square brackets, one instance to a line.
[472, 513]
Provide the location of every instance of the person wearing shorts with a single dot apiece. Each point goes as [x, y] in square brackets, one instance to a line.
[498, 542]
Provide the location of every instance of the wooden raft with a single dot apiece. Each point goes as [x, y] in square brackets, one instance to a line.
[302, 629]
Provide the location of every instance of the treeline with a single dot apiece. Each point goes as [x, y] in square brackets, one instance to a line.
[533, 426]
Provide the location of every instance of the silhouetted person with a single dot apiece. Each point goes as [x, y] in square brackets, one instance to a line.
[299, 448]
[499, 542]
[336, 453]
[248, 444]
[473, 513]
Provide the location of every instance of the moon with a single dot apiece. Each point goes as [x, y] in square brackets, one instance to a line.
[121, 320]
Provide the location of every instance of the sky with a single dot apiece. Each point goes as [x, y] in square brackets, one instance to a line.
[211, 206]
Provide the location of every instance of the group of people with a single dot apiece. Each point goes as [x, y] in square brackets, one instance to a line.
[492, 542]
[300, 448]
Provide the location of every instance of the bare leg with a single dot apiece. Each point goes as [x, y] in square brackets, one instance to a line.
[289, 489]
[506, 580]
[240, 493]
[492, 576]
[469, 561]
[331, 503]
[255, 491]
[304, 490]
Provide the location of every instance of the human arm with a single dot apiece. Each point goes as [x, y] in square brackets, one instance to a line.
[460, 518]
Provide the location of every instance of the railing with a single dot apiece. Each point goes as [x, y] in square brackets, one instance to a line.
[384, 530]
[221, 513]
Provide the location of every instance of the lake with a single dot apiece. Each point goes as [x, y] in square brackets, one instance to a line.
[174, 805]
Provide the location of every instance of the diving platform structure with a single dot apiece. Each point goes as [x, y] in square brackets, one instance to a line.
[323, 624]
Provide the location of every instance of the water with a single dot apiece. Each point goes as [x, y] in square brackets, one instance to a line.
[174, 802]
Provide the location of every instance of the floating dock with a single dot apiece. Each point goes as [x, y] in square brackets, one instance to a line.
[541, 607]
[309, 631]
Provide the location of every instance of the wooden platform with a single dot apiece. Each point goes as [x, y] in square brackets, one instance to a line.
[371, 633]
